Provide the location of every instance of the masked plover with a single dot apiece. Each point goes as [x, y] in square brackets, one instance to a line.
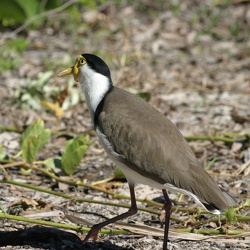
[143, 143]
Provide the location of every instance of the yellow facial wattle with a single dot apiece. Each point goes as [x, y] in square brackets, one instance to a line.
[75, 69]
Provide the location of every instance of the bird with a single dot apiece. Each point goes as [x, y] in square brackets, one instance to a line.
[143, 143]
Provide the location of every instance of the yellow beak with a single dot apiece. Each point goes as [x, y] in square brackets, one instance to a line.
[74, 69]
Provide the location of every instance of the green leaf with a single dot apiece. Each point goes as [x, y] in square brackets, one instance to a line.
[3, 155]
[30, 7]
[247, 202]
[230, 215]
[19, 11]
[119, 174]
[144, 95]
[30, 148]
[36, 129]
[33, 139]
[12, 11]
[53, 163]
[43, 138]
[74, 152]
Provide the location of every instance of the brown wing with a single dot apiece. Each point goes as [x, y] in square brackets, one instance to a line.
[153, 144]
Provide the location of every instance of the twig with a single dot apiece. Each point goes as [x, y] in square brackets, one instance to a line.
[82, 199]
[34, 167]
[188, 138]
[209, 231]
[114, 195]
[14, 164]
[59, 225]
[108, 231]
[207, 138]
[224, 220]
[11, 129]
[73, 183]
[79, 183]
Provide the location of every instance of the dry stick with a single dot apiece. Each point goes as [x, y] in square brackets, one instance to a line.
[210, 231]
[59, 225]
[101, 202]
[107, 231]
[237, 218]
[80, 199]
[74, 183]
[115, 195]
[188, 138]
[11, 129]
[214, 138]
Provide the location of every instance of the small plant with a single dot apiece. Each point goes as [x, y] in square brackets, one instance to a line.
[3, 155]
[30, 94]
[231, 215]
[33, 139]
[34, 94]
[14, 12]
[36, 136]
[74, 152]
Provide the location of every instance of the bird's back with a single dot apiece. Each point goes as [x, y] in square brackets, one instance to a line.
[152, 145]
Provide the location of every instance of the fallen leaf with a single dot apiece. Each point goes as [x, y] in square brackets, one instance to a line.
[56, 109]
[236, 146]
[24, 202]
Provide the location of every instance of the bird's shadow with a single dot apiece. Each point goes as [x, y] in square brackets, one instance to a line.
[51, 238]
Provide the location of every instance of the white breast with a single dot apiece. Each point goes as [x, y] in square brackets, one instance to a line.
[94, 86]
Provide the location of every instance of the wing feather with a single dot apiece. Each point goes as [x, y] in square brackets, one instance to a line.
[144, 136]
[151, 142]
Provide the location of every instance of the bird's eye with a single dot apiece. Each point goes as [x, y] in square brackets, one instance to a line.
[82, 61]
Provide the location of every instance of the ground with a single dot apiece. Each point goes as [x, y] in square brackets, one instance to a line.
[194, 61]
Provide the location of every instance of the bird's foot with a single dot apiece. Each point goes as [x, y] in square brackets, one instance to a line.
[93, 233]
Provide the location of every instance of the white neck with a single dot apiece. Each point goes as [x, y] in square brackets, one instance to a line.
[94, 86]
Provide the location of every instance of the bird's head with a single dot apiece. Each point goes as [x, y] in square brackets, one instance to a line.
[94, 77]
[86, 63]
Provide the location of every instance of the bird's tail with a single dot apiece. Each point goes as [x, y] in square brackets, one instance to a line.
[229, 199]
